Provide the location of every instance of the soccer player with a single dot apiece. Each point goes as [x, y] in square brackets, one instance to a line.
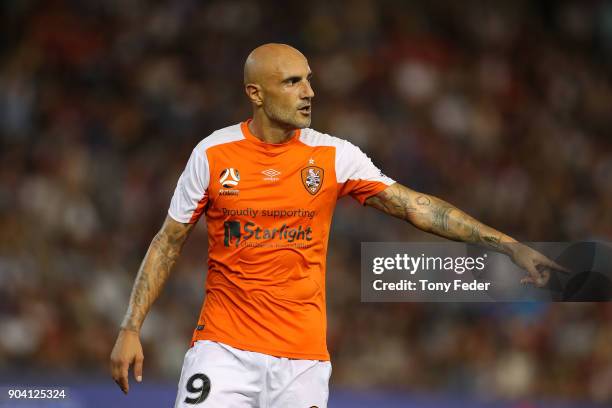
[268, 187]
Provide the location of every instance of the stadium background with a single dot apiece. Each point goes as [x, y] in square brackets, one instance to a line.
[504, 110]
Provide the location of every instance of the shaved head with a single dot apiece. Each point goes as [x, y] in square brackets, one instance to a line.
[268, 59]
[277, 82]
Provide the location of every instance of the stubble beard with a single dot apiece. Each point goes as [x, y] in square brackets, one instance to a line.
[285, 117]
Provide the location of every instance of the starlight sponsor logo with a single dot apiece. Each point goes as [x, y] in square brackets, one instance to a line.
[238, 233]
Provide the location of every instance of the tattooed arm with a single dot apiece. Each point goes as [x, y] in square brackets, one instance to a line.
[154, 270]
[434, 215]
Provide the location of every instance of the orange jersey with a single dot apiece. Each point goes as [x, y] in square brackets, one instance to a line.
[268, 209]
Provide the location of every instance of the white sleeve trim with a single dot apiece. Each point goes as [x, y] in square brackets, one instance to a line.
[353, 164]
[191, 187]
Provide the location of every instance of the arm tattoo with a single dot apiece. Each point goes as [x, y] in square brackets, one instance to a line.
[440, 215]
[423, 200]
[434, 215]
[393, 202]
[492, 241]
[163, 252]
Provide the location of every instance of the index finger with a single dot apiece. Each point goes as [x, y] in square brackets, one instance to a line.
[552, 264]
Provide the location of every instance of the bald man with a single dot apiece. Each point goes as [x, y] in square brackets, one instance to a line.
[268, 187]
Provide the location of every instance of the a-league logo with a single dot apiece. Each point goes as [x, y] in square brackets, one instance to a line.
[229, 178]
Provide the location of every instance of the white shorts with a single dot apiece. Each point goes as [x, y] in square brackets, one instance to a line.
[220, 376]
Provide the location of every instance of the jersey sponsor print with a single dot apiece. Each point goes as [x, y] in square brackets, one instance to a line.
[268, 209]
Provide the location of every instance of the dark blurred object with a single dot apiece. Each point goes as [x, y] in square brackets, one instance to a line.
[588, 282]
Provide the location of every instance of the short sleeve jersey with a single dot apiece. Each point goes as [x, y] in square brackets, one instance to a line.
[268, 209]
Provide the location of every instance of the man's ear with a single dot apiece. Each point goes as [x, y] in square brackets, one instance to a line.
[254, 93]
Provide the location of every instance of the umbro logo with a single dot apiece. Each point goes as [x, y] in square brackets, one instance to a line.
[271, 172]
[271, 175]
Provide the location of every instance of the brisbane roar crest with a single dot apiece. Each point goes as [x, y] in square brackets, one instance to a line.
[312, 179]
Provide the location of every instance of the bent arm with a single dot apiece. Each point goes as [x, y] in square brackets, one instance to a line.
[434, 215]
[163, 252]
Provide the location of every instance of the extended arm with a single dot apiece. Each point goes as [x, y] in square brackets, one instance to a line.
[163, 252]
[434, 215]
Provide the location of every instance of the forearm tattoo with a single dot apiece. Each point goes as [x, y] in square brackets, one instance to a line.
[393, 202]
[163, 252]
[440, 216]
[434, 215]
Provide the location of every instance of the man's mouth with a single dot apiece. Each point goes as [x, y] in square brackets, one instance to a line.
[305, 110]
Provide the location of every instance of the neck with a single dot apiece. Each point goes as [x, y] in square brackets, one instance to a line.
[268, 131]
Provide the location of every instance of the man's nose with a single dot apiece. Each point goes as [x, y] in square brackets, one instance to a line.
[307, 91]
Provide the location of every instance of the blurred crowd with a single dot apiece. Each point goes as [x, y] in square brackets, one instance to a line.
[502, 108]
